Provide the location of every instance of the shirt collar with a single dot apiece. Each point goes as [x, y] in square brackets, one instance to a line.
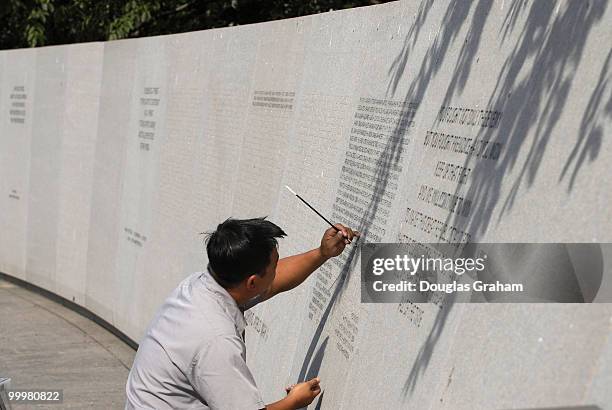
[226, 301]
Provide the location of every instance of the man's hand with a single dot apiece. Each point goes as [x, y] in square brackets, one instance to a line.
[333, 242]
[298, 396]
[302, 394]
[293, 270]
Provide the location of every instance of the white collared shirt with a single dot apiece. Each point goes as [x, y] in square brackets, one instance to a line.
[193, 354]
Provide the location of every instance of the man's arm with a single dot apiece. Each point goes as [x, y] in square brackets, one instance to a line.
[293, 270]
[299, 396]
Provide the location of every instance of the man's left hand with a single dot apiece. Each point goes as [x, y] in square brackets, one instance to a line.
[334, 242]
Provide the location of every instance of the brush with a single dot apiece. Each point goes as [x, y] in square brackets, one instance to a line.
[309, 206]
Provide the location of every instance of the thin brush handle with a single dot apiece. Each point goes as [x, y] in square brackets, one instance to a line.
[317, 212]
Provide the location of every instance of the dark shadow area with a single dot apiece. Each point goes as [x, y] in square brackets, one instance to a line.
[399, 63]
[531, 90]
[592, 124]
[468, 56]
[455, 17]
[319, 401]
[315, 364]
[310, 359]
[512, 16]
[421, 362]
[389, 158]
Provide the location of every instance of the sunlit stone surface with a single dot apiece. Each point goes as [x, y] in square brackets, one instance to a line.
[472, 121]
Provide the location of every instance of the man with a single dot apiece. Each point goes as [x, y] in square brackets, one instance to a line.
[193, 354]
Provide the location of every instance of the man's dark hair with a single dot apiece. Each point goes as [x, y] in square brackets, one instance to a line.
[241, 247]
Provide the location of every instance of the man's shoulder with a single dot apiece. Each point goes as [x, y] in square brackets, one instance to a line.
[191, 314]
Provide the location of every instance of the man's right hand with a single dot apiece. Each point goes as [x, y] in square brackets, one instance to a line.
[302, 394]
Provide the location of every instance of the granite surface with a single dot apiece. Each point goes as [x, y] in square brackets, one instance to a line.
[115, 156]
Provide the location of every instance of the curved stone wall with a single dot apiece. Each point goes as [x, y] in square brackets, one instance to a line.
[115, 156]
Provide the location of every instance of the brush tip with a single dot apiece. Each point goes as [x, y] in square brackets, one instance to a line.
[290, 190]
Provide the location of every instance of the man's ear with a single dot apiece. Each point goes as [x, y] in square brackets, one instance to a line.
[251, 282]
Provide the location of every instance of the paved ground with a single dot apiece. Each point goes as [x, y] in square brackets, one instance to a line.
[44, 345]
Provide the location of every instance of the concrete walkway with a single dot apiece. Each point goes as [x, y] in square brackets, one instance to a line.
[44, 345]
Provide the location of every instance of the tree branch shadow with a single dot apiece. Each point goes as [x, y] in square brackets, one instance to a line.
[532, 90]
[592, 127]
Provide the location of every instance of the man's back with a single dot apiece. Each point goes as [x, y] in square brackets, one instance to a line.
[197, 329]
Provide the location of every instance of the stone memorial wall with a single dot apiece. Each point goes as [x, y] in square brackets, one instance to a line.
[413, 122]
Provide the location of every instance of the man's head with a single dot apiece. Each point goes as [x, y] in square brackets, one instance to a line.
[242, 254]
